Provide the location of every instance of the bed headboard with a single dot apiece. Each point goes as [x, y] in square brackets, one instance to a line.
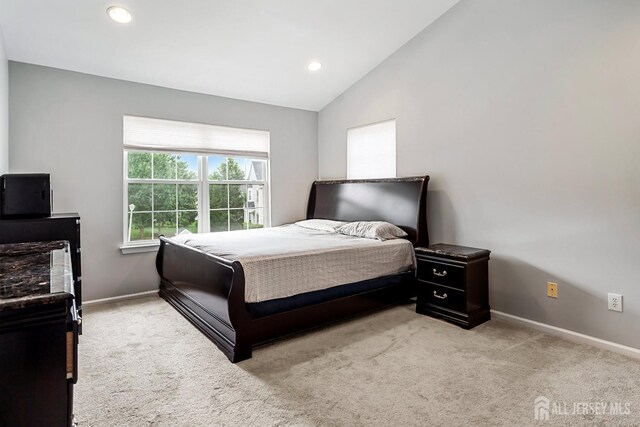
[400, 201]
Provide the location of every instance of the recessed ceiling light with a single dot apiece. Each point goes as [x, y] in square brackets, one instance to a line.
[119, 14]
[314, 66]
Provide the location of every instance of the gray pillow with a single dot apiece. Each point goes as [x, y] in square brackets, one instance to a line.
[321, 224]
[372, 230]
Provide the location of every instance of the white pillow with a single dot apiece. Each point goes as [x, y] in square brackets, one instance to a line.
[372, 230]
[321, 224]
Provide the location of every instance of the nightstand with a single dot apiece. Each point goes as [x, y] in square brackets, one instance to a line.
[453, 284]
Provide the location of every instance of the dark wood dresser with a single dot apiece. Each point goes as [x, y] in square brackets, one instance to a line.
[453, 284]
[58, 226]
[38, 334]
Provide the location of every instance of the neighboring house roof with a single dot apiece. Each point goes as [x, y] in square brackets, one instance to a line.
[256, 170]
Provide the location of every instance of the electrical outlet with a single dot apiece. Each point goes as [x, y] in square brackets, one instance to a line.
[615, 302]
[552, 289]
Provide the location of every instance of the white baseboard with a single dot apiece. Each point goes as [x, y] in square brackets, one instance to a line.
[118, 298]
[570, 335]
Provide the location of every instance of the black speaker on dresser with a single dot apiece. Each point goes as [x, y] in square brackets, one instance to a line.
[25, 195]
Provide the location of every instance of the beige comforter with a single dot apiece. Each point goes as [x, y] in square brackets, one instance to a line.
[288, 260]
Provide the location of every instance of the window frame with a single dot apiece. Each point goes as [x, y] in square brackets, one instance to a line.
[203, 203]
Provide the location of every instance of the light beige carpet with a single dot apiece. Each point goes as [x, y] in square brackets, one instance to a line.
[143, 364]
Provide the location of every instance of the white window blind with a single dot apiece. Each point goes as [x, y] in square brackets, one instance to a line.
[144, 133]
[371, 151]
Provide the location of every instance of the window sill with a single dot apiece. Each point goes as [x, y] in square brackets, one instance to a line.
[139, 248]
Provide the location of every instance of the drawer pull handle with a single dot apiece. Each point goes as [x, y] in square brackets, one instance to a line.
[443, 296]
[437, 273]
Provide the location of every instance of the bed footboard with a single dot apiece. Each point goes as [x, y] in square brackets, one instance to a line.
[209, 292]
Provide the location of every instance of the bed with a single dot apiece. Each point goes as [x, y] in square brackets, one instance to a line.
[211, 292]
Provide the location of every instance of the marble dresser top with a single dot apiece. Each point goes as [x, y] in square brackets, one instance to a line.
[34, 273]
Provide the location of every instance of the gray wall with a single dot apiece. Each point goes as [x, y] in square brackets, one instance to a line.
[70, 124]
[526, 115]
[4, 108]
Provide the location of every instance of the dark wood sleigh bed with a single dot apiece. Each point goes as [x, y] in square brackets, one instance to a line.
[210, 291]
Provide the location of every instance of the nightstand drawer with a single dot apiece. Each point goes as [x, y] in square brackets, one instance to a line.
[442, 274]
[445, 297]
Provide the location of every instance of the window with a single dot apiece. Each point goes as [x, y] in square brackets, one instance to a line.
[371, 151]
[175, 182]
[235, 184]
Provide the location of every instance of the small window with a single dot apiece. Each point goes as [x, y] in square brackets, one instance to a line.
[371, 151]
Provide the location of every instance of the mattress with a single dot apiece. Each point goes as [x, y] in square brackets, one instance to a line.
[288, 260]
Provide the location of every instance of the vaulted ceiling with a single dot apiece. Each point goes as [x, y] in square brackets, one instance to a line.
[256, 50]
